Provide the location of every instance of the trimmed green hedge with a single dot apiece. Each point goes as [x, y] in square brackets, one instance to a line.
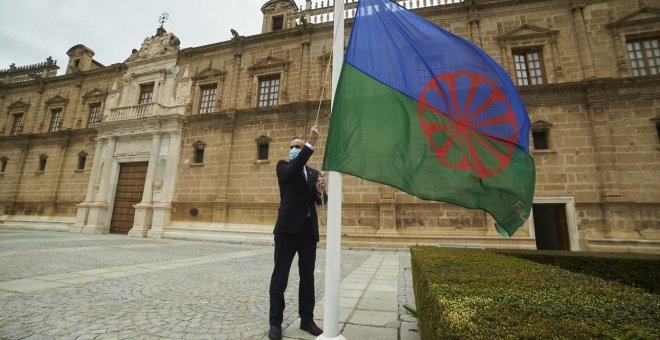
[480, 294]
[635, 270]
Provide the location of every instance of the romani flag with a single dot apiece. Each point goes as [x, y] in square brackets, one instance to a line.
[426, 111]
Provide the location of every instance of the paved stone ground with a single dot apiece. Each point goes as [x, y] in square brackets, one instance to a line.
[78, 286]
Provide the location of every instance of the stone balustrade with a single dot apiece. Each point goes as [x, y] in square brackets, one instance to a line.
[323, 11]
[134, 112]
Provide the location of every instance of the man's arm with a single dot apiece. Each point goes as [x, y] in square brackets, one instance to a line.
[288, 170]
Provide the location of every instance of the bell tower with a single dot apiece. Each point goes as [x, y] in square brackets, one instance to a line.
[277, 14]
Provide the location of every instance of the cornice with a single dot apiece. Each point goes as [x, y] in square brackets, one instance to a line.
[629, 20]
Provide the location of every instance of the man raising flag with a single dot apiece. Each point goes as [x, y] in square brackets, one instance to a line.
[426, 111]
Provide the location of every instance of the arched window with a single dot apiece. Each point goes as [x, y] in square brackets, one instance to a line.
[198, 152]
[42, 162]
[82, 158]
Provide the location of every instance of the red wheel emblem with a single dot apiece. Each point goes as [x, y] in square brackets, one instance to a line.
[468, 122]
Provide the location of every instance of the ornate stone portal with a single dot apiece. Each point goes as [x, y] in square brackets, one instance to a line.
[138, 130]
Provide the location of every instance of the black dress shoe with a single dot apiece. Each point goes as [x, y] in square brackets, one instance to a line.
[311, 328]
[275, 333]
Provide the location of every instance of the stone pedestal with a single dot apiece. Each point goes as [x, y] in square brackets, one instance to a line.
[96, 222]
[81, 217]
[142, 221]
[220, 209]
[161, 218]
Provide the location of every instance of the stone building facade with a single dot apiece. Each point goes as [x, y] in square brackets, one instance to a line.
[182, 142]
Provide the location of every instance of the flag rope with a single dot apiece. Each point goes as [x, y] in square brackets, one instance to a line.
[325, 80]
[318, 112]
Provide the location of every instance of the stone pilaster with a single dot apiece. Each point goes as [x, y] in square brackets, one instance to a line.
[162, 209]
[83, 208]
[97, 222]
[143, 212]
[387, 210]
[584, 48]
[55, 190]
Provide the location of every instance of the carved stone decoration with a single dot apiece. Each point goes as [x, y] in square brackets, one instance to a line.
[183, 90]
[267, 64]
[540, 126]
[528, 35]
[160, 172]
[95, 95]
[209, 73]
[629, 24]
[18, 106]
[163, 43]
[57, 100]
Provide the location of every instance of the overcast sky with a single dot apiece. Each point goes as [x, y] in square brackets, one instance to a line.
[32, 30]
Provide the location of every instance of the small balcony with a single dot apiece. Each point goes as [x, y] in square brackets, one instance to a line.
[135, 112]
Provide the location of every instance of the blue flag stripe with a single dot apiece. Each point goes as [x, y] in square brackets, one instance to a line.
[412, 51]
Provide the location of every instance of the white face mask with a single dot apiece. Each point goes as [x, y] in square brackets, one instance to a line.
[293, 153]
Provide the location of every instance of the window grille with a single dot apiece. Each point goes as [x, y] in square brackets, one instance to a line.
[269, 89]
[207, 99]
[17, 126]
[644, 56]
[146, 92]
[56, 120]
[94, 113]
[529, 67]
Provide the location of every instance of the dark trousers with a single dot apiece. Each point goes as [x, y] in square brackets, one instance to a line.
[286, 246]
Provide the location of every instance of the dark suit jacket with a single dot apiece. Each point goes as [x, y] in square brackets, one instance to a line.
[297, 196]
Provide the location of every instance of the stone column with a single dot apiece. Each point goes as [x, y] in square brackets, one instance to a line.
[387, 211]
[143, 212]
[303, 94]
[98, 210]
[162, 209]
[617, 221]
[220, 204]
[83, 208]
[584, 48]
[621, 61]
[25, 151]
[236, 75]
[55, 190]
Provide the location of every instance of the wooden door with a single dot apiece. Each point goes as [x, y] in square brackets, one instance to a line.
[130, 186]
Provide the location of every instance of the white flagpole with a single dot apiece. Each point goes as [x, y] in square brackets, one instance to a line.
[333, 233]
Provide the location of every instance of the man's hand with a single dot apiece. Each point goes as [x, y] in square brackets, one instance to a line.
[313, 135]
[321, 184]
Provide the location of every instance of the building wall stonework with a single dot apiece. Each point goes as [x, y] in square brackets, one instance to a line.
[601, 166]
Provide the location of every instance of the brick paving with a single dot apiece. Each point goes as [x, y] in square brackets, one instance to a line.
[79, 286]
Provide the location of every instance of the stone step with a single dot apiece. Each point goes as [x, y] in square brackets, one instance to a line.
[36, 223]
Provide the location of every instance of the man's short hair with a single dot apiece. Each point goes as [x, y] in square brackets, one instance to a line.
[295, 137]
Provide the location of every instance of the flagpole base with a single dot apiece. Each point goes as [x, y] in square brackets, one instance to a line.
[323, 337]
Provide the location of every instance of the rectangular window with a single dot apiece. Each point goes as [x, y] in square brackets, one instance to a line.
[94, 114]
[278, 23]
[146, 92]
[529, 67]
[56, 120]
[540, 140]
[3, 164]
[199, 156]
[262, 152]
[207, 99]
[17, 126]
[644, 56]
[82, 159]
[42, 163]
[269, 89]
